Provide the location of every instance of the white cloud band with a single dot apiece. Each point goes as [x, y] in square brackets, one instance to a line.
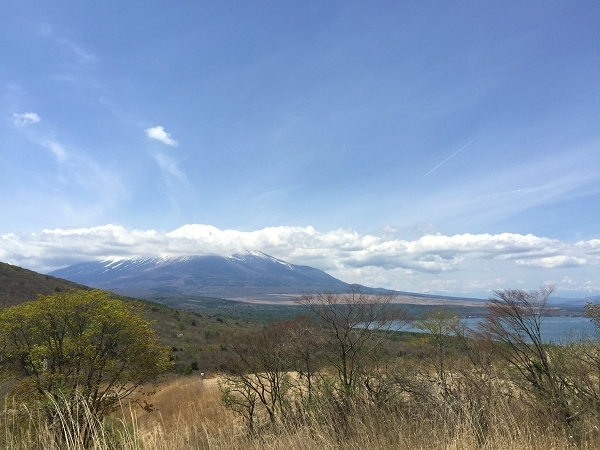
[455, 264]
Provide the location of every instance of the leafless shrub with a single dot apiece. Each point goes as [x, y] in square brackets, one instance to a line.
[354, 326]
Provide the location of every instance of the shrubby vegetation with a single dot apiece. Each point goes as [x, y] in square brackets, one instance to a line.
[341, 376]
[449, 376]
[78, 354]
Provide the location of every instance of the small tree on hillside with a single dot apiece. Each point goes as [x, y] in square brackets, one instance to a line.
[354, 325]
[258, 375]
[513, 328]
[78, 351]
[441, 327]
[306, 354]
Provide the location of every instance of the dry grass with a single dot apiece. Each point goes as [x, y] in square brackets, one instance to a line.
[189, 415]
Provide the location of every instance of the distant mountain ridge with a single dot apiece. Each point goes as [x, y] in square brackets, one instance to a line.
[570, 302]
[223, 276]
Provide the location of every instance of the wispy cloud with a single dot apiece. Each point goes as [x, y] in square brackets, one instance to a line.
[78, 50]
[433, 263]
[170, 166]
[76, 170]
[487, 196]
[56, 148]
[161, 135]
[21, 120]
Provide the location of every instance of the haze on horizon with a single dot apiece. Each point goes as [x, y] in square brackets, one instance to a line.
[443, 148]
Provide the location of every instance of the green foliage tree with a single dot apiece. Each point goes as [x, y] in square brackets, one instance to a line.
[78, 349]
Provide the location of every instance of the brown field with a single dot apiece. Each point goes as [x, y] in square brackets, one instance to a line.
[189, 412]
[189, 415]
[288, 299]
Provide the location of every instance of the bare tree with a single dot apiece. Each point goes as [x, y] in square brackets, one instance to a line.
[272, 371]
[258, 374]
[354, 325]
[592, 310]
[440, 325]
[306, 344]
[240, 396]
[515, 322]
[513, 327]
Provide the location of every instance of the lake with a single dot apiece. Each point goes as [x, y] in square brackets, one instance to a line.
[555, 329]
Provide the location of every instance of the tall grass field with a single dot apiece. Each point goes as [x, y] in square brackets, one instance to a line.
[189, 414]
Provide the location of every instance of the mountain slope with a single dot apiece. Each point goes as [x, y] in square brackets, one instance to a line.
[18, 285]
[252, 273]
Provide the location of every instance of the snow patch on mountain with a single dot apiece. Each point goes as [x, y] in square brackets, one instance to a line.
[250, 254]
[143, 262]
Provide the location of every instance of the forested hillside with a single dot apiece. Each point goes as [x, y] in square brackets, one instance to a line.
[18, 285]
[195, 337]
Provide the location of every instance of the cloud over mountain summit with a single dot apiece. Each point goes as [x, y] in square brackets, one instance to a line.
[431, 263]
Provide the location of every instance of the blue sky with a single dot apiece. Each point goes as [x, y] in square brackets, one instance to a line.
[448, 147]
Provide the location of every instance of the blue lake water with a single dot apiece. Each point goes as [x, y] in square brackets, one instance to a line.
[555, 329]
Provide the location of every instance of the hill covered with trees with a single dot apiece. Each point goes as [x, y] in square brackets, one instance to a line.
[18, 285]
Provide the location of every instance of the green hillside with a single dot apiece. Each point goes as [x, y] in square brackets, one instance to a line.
[195, 336]
[18, 285]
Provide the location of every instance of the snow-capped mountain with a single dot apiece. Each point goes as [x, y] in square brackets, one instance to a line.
[246, 274]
